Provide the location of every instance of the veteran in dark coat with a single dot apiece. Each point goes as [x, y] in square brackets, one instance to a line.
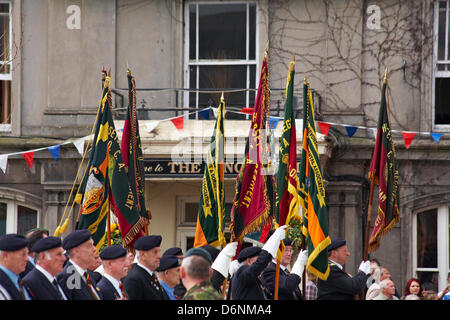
[13, 259]
[340, 285]
[246, 283]
[41, 281]
[76, 280]
[288, 284]
[141, 282]
[115, 266]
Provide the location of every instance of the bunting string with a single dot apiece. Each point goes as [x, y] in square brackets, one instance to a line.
[178, 122]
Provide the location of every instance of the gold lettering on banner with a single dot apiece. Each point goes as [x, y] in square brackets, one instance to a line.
[249, 193]
[130, 200]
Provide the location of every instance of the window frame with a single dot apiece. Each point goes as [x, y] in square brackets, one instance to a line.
[12, 210]
[217, 62]
[6, 127]
[435, 72]
[443, 268]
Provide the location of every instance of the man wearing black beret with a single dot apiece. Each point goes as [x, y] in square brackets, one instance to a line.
[41, 282]
[169, 274]
[339, 285]
[115, 266]
[288, 284]
[141, 282]
[76, 280]
[245, 283]
[13, 259]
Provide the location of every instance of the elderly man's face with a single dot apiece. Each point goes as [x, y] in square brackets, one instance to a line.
[15, 261]
[150, 258]
[340, 255]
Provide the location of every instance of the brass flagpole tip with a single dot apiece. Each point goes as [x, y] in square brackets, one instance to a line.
[385, 75]
[221, 97]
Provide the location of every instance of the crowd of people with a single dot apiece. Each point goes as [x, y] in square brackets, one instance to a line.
[41, 267]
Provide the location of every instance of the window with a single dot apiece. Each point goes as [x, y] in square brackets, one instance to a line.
[431, 246]
[16, 218]
[220, 53]
[5, 66]
[187, 211]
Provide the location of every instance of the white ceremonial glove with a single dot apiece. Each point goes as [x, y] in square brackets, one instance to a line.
[234, 266]
[365, 267]
[300, 263]
[223, 260]
[273, 242]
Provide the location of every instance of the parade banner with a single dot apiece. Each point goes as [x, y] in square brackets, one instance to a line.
[106, 180]
[254, 199]
[287, 204]
[210, 219]
[133, 159]
[384, 171]
[312, 194]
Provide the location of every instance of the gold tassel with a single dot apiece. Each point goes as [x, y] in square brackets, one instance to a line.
[57, 232]
[64, 226]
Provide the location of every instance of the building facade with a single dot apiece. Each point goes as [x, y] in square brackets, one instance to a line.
[183, 54]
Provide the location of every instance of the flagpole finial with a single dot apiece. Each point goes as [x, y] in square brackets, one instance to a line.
[385, 75]
[221, 97]
[306, 79]
[128, 69]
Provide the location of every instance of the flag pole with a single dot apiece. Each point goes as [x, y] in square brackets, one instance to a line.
[368, 220]
[277, 280]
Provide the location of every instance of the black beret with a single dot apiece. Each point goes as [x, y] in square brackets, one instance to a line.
[168, 262]
[214, 252]
[173, 252]
[113, 252]
[46, 244]
[147, 242]
[336, 243]
[199, 252]
[287, 242]
[248, 252]
[75, 238]
[12, 242]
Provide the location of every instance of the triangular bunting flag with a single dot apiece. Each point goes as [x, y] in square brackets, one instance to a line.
[151, 126]
[408, 138]
[247, 110]
[79, 144]
[178, 122]
[351, 130]
[3, 162]
[324, 127]
[55, 151]
[274, 122]
[204, 113]
[29, 158]
[436, 136]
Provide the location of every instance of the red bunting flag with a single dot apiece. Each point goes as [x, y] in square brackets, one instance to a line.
[324, 127]
[178, 122]
[247, 110]
[408, 138]
[29, 158]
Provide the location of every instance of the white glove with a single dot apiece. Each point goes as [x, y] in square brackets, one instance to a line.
[223, 260]
[365, 267]
[300, 263]
[234, 266]
[273, 242]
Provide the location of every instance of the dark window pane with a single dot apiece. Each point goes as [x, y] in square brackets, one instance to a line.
[252, 31]
[223, 77]
[192, 30]
[441, 34]
[26, 219]
[2, 218]
[4, 37]
[4, 8]
[252, 93]
[5, 101]
[191, 212]
[189, 242]
[222, 31]
[427, 239]
[192, 85]
[429, 280]
[442, 101]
